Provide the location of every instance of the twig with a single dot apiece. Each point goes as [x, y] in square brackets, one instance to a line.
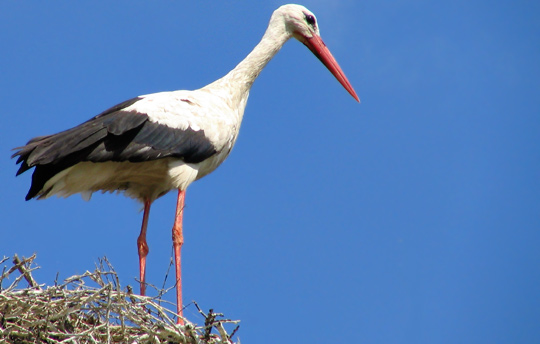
[21, 266]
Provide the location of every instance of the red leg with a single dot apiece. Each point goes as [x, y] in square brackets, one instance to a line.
[142, 247]
[178, 240]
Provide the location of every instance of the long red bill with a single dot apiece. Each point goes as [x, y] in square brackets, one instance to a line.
[319, 49]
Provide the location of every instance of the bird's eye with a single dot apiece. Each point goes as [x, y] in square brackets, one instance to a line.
[310, 19]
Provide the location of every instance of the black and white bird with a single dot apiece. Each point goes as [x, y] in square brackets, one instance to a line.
[155, 143]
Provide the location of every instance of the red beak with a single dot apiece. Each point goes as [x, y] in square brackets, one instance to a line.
[319, 49]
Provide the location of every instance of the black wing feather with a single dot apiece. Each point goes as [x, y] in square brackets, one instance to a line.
[113, 135]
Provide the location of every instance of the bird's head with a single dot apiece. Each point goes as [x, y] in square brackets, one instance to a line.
[299, 21]
[301, 24]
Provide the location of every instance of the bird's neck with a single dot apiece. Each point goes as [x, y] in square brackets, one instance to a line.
[236, 84]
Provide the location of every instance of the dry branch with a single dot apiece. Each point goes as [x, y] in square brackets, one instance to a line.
[93, 308]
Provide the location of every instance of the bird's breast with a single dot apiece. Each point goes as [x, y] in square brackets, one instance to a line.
[210, 121]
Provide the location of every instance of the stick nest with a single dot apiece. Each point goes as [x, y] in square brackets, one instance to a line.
[92, 308]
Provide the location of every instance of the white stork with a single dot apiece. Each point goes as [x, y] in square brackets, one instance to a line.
[155, 143]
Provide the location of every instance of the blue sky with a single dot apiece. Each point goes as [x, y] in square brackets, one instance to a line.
[413, 217]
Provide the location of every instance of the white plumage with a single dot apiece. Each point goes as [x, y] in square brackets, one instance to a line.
[158, 142]
[149, 180]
